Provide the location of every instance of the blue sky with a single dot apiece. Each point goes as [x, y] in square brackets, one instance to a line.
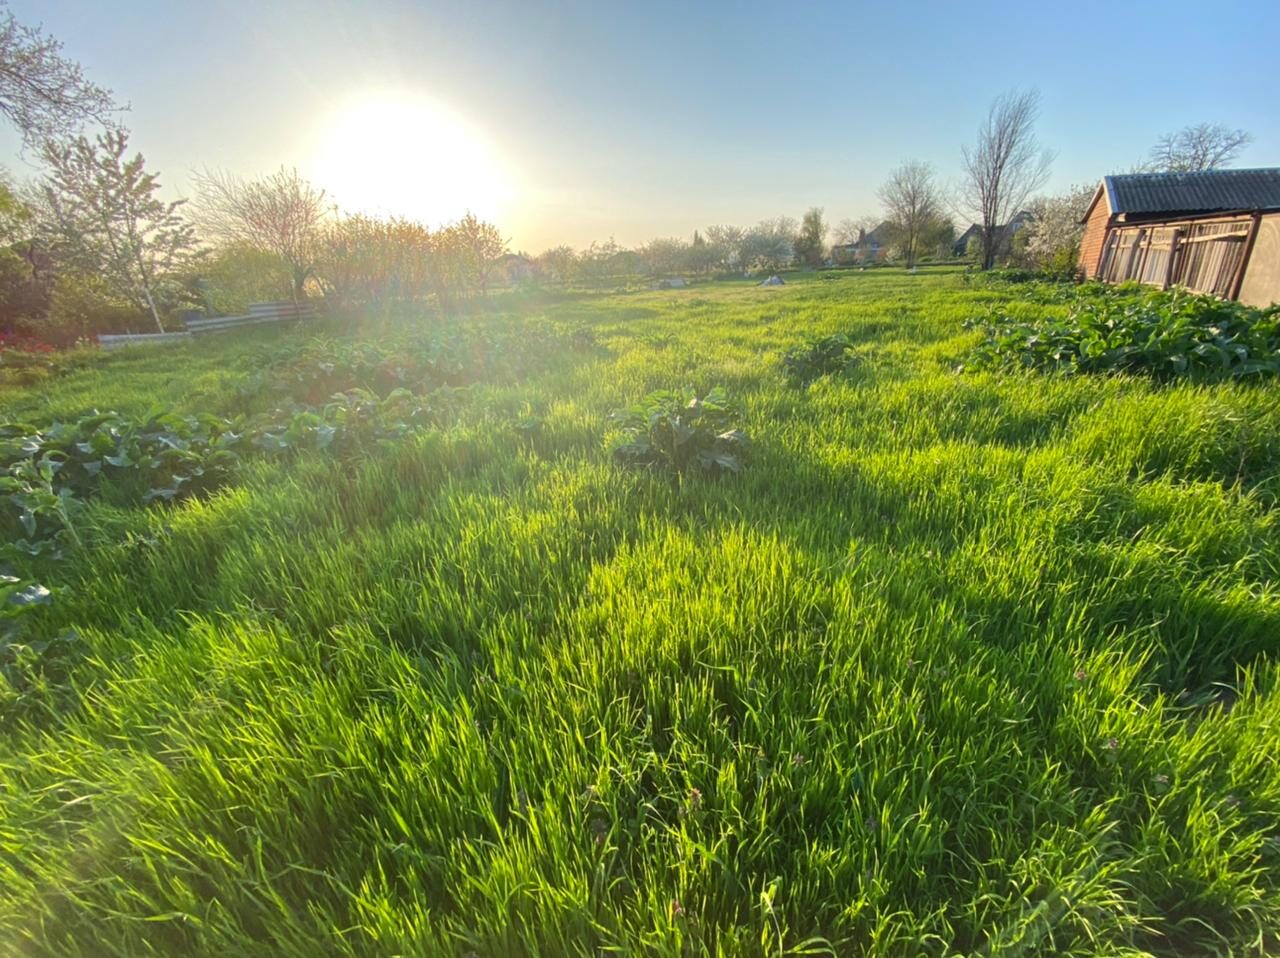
[637, 120]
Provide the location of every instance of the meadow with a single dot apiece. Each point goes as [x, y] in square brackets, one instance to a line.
[958, 661]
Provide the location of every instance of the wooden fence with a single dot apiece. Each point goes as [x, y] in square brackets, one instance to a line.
[1202, 257]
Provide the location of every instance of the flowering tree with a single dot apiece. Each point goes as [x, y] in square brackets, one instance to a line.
[482, 246]
[42, 93]
[107, 222]
[770, 244]
[1053, 237]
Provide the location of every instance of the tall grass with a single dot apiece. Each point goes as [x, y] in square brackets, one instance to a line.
[962, 663]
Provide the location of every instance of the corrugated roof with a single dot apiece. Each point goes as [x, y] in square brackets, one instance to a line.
[1203, 192]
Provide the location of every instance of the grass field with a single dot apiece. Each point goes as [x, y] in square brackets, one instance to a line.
[961, 663]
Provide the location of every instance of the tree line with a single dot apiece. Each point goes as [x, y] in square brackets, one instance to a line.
[1002, 173]
[91, 245]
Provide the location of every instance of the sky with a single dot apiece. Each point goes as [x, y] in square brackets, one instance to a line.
[568, 122]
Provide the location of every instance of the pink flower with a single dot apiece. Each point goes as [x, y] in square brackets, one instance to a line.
[1081, 675]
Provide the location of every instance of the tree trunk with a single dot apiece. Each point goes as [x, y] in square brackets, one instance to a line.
[988, 248]
[151, 305]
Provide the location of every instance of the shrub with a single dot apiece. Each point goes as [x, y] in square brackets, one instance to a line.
[1161, 334]
[25, 361]
[1010, 274]
[821, 357]
[82, 307]
[677, 432]
[28, 361]
[234, 276]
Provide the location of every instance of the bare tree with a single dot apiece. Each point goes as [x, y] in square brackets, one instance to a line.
[1003, 168]
[42, 93]
[913, 205]
[849, 230]
[107, 222]
[1204, 146]
[281, 213]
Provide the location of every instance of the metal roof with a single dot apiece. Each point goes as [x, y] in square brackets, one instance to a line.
[1202, 192]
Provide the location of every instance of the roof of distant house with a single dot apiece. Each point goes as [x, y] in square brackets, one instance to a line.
[1020, 218]
[880, 235]
[1207, 191]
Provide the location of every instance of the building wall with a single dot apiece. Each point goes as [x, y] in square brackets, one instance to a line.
[1095, 235]
[1261, 286]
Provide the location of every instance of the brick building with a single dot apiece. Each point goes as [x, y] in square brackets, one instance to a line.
[1215, 231]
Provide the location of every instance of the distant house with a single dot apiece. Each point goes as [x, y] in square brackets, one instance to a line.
[872, 247]
[1215, 232]
[1004, 238]
[961, 246]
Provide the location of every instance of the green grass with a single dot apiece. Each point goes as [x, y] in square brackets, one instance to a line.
[978, 663]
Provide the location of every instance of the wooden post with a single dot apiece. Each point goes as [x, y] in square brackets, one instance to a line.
[1173, 252]
[1244, 259]
[1146, 255]
[1104, 257]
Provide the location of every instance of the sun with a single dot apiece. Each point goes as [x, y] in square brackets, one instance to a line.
[404, 155]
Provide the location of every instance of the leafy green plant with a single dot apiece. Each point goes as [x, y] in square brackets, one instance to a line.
[1160, 334]
[679, 432]
[46, 473]
[43, 511]
[819, 357]
[25, 655]
[528, 424]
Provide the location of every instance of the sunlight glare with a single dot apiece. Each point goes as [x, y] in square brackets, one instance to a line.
[405, 155]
